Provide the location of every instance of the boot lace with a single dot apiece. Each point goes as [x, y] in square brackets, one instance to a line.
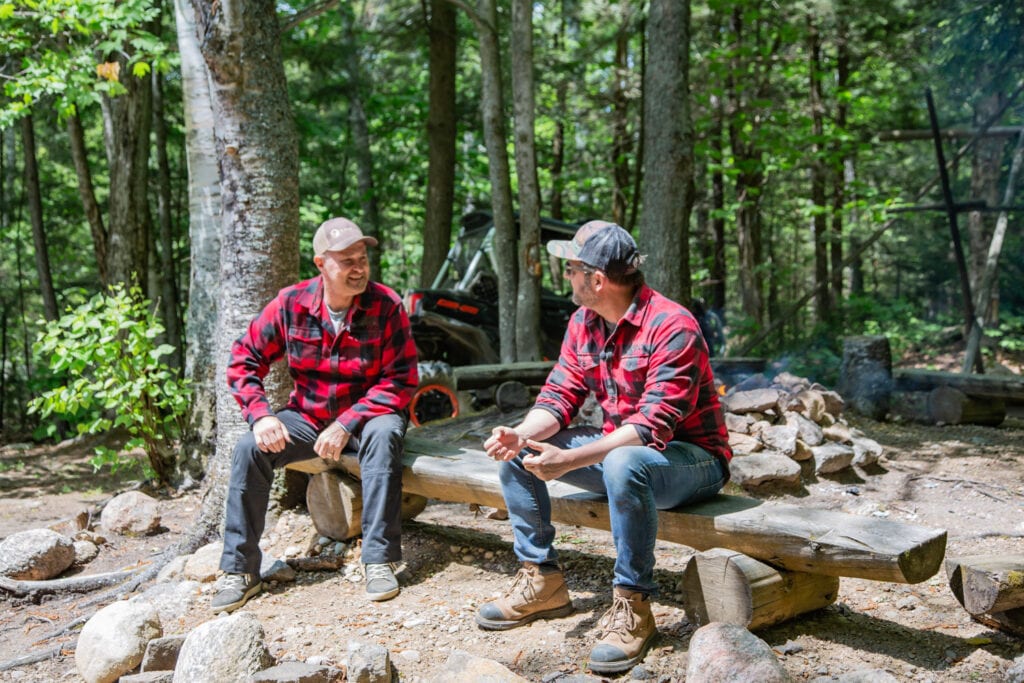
[620, 618]
[379, 571]
[522, 588]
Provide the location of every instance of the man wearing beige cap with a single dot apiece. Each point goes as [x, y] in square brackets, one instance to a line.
[663, 442]
[351, 356]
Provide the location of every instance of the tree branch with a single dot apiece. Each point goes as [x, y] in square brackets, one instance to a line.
[312, 11]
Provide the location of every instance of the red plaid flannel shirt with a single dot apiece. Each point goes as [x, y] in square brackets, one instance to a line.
[652, 371]
[367, 369]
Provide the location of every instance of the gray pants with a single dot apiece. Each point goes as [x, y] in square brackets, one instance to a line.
[379, 446]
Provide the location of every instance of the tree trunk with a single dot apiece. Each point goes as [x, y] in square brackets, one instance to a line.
[556, 208]
[987, 285]
[168, 263]
[204, 211]
[369, 219]
[437, 225]
[493, 111]
[530, 257]
[257, 147]
[718, 263]
[33, 196]
[844, 160]
[986, 167]
[87, 193]
[622, 143]
[668, 150]
[127, 119]
[817, 168]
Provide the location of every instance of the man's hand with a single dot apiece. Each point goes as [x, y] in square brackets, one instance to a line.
[271, 434]
[549, 462]
[504, 444]
[331, 442]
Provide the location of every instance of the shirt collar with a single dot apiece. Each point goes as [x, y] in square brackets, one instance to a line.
[312, 296]
[634, 314]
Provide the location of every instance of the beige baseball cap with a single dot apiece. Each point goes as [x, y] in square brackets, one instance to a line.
[338, 234]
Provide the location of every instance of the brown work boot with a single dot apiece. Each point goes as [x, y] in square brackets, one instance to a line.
[532, 595]
[627, 630]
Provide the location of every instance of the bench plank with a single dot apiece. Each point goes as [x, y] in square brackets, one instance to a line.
[794, 538]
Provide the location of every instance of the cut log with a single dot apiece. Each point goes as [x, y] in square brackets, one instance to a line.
[865, 375]
[335, 504]
[990, 583]
[794, 538]
[724, 585]
[1009, 388]
[1010, 620]
[952, 406]
[483, 376]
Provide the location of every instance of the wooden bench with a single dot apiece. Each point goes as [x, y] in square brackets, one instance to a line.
[784, 559]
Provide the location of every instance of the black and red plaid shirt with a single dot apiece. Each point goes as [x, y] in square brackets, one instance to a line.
[367, 369]
[652, 371]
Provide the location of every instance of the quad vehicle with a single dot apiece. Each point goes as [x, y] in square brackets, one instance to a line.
[455, 321]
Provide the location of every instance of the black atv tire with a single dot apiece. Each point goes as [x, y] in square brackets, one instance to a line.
[435, 397]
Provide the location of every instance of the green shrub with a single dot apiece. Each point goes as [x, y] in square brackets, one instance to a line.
[105, 353]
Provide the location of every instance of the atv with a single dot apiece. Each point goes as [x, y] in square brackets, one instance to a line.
[455, 321]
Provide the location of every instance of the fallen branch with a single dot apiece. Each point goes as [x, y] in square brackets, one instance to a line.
[35, 657]
[968, 482]
[72, 584]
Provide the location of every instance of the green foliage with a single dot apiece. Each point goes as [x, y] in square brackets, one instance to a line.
[106, 353]
[1009, 336]
[67, 50]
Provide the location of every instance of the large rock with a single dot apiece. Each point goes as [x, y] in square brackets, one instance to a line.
[35, 555]
[808, 431]
[754, 401]
[202, 658]
[866, 451]
[462, 666]
[763, 468]
[299, 672]
[724, 652]
[368, 663]
[162, 653]
[832, 457]
[204, 564]
[114, 640]
[781, 438]
[173, 600]
[131, 514]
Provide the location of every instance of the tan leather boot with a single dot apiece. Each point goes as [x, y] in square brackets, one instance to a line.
[627, 630]
[532, 595]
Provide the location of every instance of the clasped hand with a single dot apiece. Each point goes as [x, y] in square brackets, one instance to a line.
[545, 461]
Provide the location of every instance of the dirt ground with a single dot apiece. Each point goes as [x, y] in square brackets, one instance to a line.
[967, 480]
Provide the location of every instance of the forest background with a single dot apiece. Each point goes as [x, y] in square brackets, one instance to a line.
[765, 155]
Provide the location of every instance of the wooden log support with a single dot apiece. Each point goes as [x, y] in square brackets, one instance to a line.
[724, 585]
[335, 500]
[990, 583]
[787, 536]
[967, 577]
[483, 376]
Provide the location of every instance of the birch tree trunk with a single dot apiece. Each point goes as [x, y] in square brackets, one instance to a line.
[437, 225]
[530, 264]
[257, 152]
[492, 104]
[204, 211]
[668, 151]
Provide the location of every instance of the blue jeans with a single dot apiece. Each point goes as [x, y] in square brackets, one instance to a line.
[379, 447]
[638, 482]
